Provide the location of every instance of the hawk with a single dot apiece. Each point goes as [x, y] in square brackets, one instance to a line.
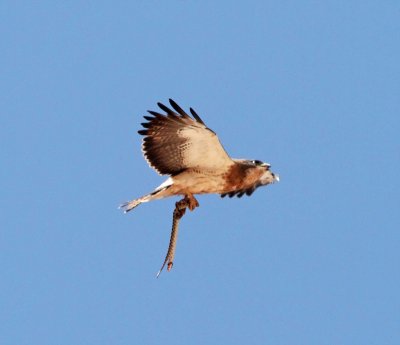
[184, 148]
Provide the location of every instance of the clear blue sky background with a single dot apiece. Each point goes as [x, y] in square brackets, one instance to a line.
[310, 86]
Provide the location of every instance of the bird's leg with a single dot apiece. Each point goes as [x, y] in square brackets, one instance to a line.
[180, 209]
[192, 201]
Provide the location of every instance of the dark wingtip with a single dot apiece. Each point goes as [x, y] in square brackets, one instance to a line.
[250, 191]
[197, 117]
[178, 109]
[155, 114]
[165, 108]
[143, 132]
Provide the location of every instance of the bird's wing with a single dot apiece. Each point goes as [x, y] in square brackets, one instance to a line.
[240, 193]
[175, 141]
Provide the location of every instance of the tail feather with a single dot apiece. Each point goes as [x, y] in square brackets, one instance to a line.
[130, 205]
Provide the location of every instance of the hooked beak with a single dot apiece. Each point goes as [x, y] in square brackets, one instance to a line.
[276, 177]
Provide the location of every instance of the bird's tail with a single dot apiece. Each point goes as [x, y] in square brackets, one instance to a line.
[130, 205]
[156, 194]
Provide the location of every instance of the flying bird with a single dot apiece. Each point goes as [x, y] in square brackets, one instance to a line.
[183, 147]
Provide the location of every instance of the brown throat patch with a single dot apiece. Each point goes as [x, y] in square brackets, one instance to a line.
[236, 177]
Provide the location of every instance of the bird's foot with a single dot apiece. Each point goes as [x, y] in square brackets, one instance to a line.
[180, 208]
[191, 202]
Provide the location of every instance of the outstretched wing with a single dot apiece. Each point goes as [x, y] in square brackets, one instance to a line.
[175, 141]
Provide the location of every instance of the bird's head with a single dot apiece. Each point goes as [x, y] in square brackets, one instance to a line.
[247, 175]
[267, 176]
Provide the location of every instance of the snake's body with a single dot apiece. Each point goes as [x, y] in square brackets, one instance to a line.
[179, 211]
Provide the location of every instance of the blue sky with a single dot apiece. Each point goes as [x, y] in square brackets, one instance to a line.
[310, 87]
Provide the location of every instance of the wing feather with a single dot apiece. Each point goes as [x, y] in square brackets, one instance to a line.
[178, 109]
[197, 117]
[239, 193]
[175, 141]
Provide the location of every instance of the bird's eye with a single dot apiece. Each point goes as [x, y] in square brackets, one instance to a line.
[257, 162]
